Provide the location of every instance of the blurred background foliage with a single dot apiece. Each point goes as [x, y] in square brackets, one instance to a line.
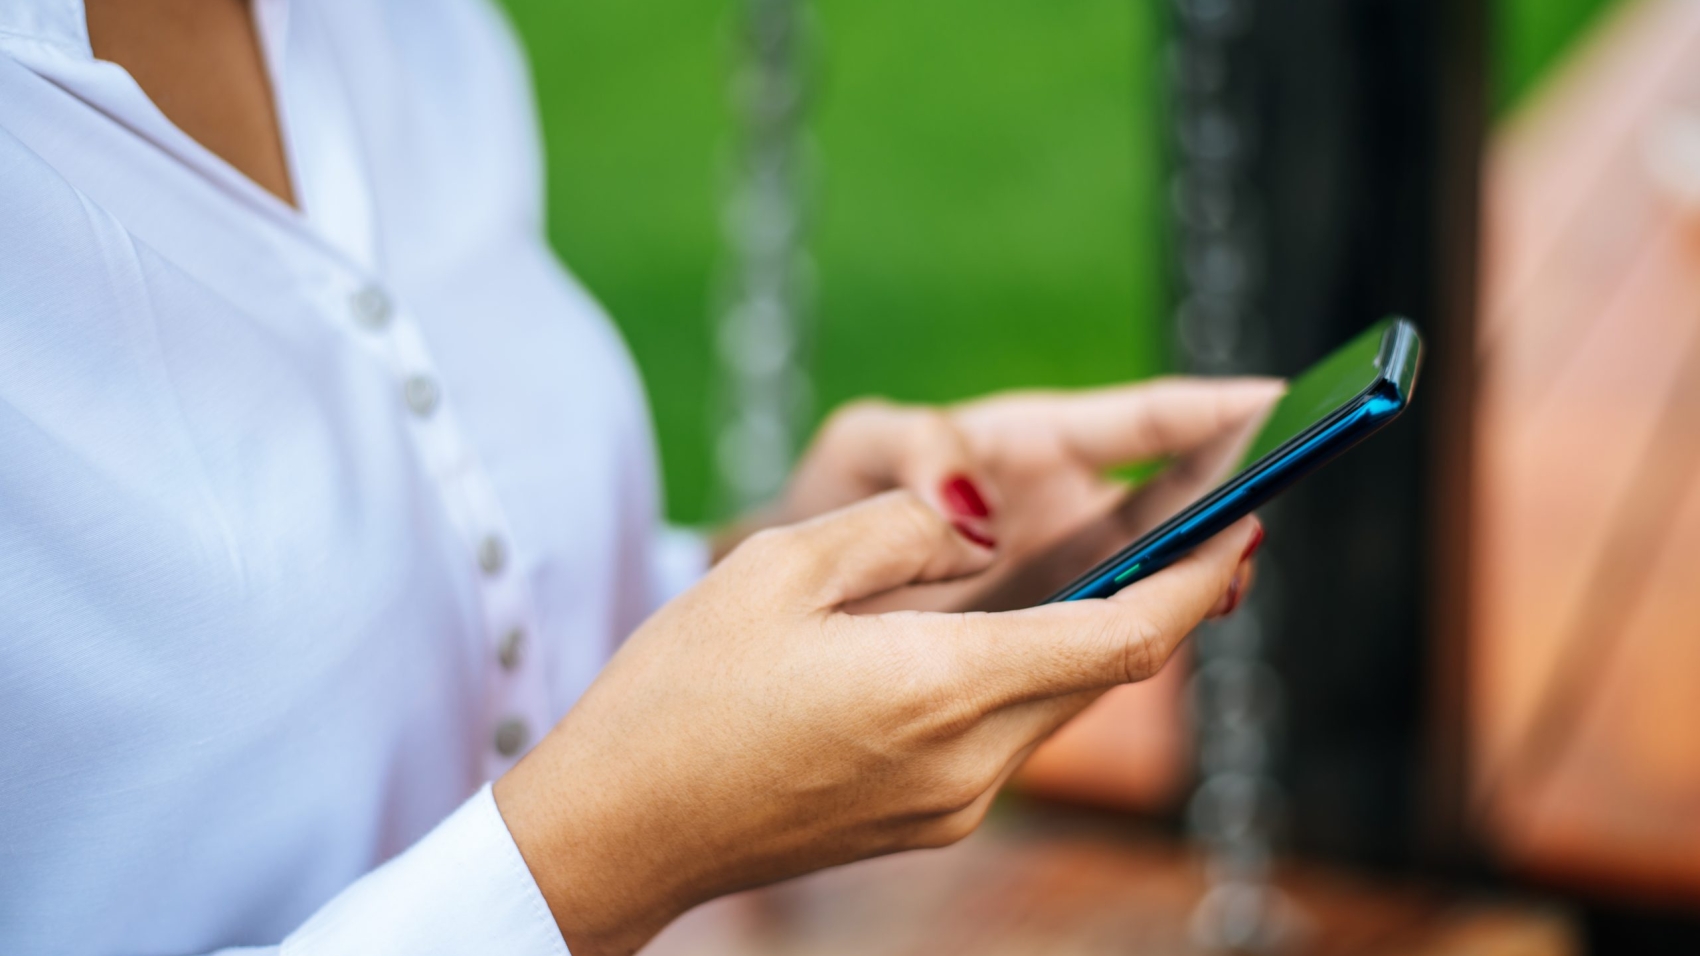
[1530, 38]
[988, 212]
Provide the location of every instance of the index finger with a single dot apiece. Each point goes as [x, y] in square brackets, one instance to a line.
[1116, 426]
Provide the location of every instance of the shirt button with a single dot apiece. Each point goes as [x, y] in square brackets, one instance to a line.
[492, 555]
[371, 308]
[507, 652]
[421, 394]
[511, 736]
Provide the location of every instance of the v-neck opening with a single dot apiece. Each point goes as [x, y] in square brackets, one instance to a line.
[266, 22]
[337, 226]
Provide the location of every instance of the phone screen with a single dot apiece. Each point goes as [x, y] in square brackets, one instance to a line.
[1308, 411]
[1319, 392]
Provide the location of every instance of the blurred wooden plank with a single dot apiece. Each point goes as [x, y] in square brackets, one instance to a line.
[1619, 813]
[1554, 465]
[1586, 598]
[1006, 892]
[1570, 146]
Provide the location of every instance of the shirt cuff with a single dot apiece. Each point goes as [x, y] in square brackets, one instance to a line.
[462, 890]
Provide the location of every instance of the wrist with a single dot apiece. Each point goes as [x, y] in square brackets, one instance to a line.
[609, 895]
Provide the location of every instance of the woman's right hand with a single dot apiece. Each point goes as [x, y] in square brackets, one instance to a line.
[753, 730]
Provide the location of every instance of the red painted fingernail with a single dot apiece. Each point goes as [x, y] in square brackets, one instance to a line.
[1255, 542]
[973, 534]
[962, 497]
[1235, 587]
[1230, 600]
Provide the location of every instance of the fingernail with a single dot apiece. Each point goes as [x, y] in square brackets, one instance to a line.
[1231, 600]
[973, 534]
[961, 496]
[1255, 542]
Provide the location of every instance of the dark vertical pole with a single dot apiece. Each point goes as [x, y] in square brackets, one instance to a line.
[1369, 115]
[1461, 115]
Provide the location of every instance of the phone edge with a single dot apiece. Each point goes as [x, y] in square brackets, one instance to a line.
[1399, 361]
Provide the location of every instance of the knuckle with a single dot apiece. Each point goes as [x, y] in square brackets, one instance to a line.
[767, 546]
[935, 430]
[956, 786]
[930, 423]
[958, 713]
[852, 415]
[1141, 644]
[926, 696]
[958, 707]
[919, 685]
[960, 792]
[953, 827]
[781, 554]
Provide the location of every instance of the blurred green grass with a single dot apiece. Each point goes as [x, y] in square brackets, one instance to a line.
[988, 213]
[1530, 36]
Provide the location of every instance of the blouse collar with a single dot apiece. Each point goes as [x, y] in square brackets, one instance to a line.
[59, 23]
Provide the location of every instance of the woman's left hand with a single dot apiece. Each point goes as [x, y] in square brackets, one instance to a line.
[1028, 472]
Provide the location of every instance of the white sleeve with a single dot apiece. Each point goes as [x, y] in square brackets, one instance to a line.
[463, 890]
[679, 558]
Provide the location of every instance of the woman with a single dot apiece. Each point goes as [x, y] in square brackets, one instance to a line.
[326, 493]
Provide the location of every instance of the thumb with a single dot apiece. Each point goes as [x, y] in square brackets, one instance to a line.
[877, 544]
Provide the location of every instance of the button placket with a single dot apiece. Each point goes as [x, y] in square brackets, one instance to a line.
[516, 695]
[517, 679]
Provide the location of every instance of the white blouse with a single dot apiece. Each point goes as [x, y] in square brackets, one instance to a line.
[310, 522]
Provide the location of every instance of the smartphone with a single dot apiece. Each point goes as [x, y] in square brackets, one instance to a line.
[1336, 403]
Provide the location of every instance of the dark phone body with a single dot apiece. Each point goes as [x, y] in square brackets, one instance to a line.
[1391, 381]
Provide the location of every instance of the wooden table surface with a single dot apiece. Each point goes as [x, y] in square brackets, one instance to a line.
[1024, 888]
